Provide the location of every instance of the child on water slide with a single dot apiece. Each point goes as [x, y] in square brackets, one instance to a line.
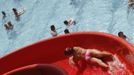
[90, 55]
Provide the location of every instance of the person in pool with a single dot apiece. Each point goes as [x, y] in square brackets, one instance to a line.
[53, 31]
[4, 14]
[122, 35]
[17, 14]
[69, 22]
[130, 3]
[66, 31]
[9, 26]
[89, 55]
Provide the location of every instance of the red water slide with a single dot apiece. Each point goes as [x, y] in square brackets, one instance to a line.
[51, 51]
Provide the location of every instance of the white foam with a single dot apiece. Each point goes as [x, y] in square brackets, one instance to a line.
[117, 66]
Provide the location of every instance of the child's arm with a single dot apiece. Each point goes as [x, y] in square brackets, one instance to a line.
[71, 61]
[22, 12]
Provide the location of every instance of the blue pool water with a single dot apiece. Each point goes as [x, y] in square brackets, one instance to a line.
[109, 16]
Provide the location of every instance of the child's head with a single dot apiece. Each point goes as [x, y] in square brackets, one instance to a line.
[121, 34]
[3, 13]
[66, 22]
[69, 51]
[52, 28]
[9, 23]
[14, 9]
[66, 31]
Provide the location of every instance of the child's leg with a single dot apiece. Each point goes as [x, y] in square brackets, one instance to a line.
[99, 54]
[104, 53]
[99, 62]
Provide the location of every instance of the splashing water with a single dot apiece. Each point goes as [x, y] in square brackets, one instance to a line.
[116, 67]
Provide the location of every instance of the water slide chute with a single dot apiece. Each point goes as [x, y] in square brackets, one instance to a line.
[51, 51]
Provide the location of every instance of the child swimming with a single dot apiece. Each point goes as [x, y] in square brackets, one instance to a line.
[4, 14]
[53, 31]
[89, 55]
[122, 35]
[130, 3]
[66, 31]
[17, 14]
[69, 22]
[9, 26]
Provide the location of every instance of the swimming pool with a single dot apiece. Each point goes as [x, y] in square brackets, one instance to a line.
[109, 16]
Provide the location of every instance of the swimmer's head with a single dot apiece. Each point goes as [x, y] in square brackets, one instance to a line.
[69, 51]
[66, 22]
[121, 34]
[14, 9]
[9, 22]
[52, 27]
[3, 13]
[66, 31]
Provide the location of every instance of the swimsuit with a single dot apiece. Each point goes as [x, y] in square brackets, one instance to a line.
[53, 33]
[87, 55]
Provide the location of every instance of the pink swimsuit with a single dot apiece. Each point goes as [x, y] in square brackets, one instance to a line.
[87, 55]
